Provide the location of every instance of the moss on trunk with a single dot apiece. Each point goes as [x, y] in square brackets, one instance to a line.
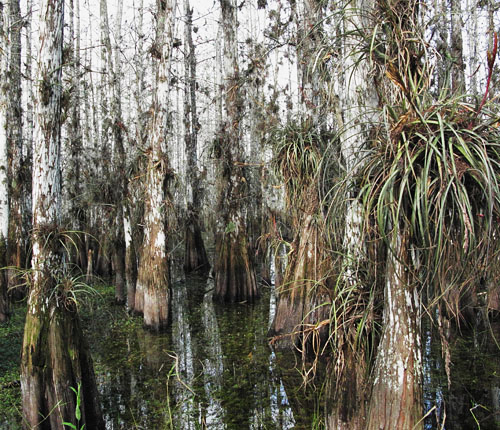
[55, 359]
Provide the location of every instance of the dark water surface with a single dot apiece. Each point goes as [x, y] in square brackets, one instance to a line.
[214, 369]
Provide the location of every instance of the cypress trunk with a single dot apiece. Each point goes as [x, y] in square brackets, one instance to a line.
[195, 255]
[55, 358]
[234, 269]
[153, 280]
[396, 398]
[302, 311]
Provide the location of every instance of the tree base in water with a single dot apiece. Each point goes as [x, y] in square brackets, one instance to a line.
[56, 360]
[303, 305]
[234, 272]
[195, 256]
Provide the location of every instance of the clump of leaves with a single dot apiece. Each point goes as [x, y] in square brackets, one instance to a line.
[299, 149]
[434, 169]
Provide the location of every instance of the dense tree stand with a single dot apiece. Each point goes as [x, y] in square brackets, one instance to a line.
[55, 359]
[234, 269]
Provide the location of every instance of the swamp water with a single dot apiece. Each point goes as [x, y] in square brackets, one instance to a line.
[214, 369]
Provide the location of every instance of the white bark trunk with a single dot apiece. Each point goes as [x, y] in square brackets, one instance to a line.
[153, 281]
[4, 185]
[358, 101]
[396, 401]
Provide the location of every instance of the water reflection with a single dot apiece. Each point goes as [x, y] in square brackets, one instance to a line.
[213, 370]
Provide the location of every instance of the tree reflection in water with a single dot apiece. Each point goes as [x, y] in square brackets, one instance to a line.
[214, 368]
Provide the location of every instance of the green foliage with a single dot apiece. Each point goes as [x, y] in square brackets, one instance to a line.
[299, 148]
[230, 228]
[11, 338]
[434, 168]
[78, 412]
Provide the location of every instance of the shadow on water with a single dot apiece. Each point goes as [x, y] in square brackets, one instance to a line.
[213, 369]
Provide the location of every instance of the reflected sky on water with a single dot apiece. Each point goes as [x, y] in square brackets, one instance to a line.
[213, 369]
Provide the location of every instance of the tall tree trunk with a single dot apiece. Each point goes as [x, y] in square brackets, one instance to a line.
[130, 224]
[16, 245]
[153, 279]
[74, 178]
[195, 256]
[396, 398]
[113, 132]
[28, 139]
[355, 112]
[4, 183]
[119, 167]
[55, 357]
[234, 271]
[303, 297]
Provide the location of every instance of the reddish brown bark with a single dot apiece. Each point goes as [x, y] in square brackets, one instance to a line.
[234, 275]
[303, 307]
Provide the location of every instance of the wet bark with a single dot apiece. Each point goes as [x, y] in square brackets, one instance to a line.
[54, 354]
[55, 358]
[234, 269]
[347, 395]
[195, 256]
[234, 276]
[396, 398]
